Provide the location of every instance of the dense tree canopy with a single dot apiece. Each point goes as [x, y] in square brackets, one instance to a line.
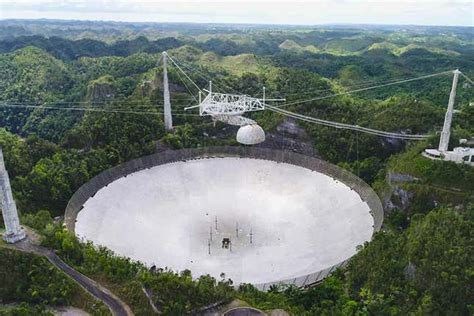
[31, 279]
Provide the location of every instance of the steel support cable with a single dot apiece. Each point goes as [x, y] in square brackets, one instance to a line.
[219, 85]
[207, 78]
[80, 102]
[193, 96]
[143, 106]
[467, 78]
[184, 73]
[350, 147]
[88, 109]
[373, 132]
[359, 84]
[365, 89]
[199, 73]
[187, 88]
[137, 102]
[362, 129]
[346, 126]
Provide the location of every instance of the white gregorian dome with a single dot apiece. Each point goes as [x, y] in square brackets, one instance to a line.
[250, 134]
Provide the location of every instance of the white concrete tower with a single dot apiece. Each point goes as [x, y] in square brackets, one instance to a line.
[446, 133]
[166, 95]
[14, 232]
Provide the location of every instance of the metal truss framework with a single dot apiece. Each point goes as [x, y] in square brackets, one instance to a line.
[237, 120]
[228, 108]
[229, 104]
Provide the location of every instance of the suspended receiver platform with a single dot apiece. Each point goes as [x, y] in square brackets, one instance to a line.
[229, 108]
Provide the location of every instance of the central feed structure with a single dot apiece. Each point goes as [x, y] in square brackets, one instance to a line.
[290, 218]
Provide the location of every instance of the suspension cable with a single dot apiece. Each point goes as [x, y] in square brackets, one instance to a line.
[185, 74]
[207, 78]
[365, 89]
[346, 126]
[119, 111]
[187, 88]
[108, 102]
[355, 85]
[47, 105]
[467, 78]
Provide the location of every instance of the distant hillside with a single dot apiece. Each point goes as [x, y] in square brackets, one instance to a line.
[293, 46]
[237, 64]
[397, 50]
[67, 49]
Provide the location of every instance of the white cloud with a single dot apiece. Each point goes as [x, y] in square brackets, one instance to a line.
[434, 12]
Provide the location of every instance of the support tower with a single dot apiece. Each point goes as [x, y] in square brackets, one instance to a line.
[13, 231]
[446, 133]
[166, 95]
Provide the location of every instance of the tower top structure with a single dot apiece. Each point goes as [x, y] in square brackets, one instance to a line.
[464, 155]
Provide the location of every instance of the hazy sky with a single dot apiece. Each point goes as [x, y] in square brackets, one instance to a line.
[432, 12]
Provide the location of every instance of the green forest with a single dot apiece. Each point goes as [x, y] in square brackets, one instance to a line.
[77, 98]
